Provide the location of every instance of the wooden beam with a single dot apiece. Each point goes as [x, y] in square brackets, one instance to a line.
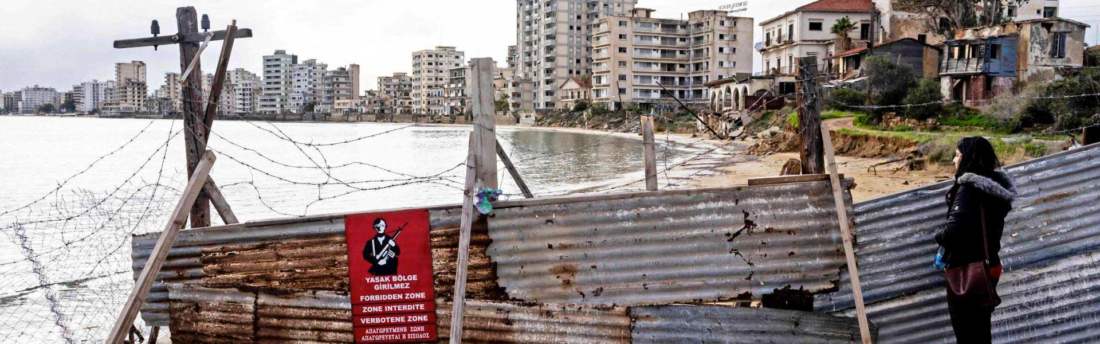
[153, 334]
[193, 37]
[218, 200]
[650, 153]
[160, 250]
[846, 234]
[481, 101]
[219, 81]
[809, 117]
[194, 131]
[465, 227]
[513, 172]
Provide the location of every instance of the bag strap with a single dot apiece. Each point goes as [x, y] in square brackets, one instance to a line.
[985, 236]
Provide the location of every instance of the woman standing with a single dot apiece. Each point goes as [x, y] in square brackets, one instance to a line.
[978, 203]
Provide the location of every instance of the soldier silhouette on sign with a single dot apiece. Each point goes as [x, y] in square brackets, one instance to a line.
[382, 250]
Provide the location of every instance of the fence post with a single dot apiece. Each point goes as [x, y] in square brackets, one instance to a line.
[481, 101]
[809, 117]
[1090, 135]
[650, 153]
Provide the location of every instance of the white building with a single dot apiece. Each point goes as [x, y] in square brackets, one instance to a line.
[277, 82]
[554, 41]
[394, 94]
[307, 80]
[92, 95]
[35, 97]
[637, 57]
[431, 72]
[807, 31]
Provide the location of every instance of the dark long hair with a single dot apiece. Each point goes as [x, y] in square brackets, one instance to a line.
[978, 158]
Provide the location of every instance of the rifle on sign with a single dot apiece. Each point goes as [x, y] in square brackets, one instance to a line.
[385, 254]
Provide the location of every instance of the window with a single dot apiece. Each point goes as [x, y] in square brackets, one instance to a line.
[722, 23]
[1050, 12]
[622, 63]
[622, 90]
[816, 26]
[1058, 45]
[622, 50]
[865, 31]
[994, 51]
[622, 23]
[790, 32]
[622, 77]
[721, 50]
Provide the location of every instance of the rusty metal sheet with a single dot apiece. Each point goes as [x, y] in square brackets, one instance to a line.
[274, 254]
[503, 322]
[668, 247]
[317, 317]
[721, 324]
[1051, 276]
[202, 315]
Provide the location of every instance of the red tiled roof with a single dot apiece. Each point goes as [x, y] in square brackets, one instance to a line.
[839, 6]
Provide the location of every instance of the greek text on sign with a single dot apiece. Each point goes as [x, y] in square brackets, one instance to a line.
[390, 271]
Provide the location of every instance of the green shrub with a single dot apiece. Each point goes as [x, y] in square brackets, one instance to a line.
[903, 128]
[924, 100]
[792, 120]
[846, 99]
[580, 106]
[1062, 105]
[599, 110]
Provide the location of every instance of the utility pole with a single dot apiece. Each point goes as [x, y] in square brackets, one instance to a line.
[871, 49]
[197, 120]
[809, 117]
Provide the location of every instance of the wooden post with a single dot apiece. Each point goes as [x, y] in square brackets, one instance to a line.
[220, 204]
[160, 250]
[465, 227]
[846, 235]
[194, 131]
[481, 102]
[809, 117]
[513, 172]
[650, 154]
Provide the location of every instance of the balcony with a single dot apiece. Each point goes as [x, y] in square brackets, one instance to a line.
[962, 66]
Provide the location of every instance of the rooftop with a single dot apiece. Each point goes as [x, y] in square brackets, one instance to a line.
[831, 6]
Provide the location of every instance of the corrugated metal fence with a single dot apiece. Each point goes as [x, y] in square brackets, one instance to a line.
[546, 270]
[1051, 286]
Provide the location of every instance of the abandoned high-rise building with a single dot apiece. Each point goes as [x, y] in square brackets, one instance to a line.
[431, 72]
[554, 41]
[277, 83]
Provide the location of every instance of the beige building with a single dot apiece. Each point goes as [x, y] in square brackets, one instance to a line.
[431, 73]
[807, 31]
[394, 94]
[278, 82]
[573, 91]
[130, 87]
[554, 41]
[247, 89]
[634, 56]
[172, 91]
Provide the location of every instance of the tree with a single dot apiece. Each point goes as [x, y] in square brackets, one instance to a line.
[950, 15]
[841, 29]
[501, 105]
[309, 107]
[889, 81]
[46, 108]
[68, 106]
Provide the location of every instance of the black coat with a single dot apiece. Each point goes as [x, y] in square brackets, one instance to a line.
[961, 237]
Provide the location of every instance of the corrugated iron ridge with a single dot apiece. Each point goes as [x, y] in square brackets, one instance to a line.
[1048, 235]
[1054, 303]
[695, 246]
[711, 324]
[894, 235]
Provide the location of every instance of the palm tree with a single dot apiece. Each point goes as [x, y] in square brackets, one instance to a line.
[841, 29]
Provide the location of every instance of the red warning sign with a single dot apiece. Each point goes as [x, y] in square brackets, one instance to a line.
[390, 270]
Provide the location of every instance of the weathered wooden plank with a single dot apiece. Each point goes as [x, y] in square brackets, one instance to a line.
[650, 153]
[160, 250]
[514, 172]
[193, 37]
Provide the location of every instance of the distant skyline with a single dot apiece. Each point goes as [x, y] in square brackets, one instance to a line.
[61, 43]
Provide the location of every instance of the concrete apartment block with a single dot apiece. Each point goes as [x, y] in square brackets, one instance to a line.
[637, 54]
[277, 82]
[554, 41]
[431, 72]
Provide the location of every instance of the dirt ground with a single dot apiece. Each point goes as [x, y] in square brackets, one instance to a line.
[883, 180]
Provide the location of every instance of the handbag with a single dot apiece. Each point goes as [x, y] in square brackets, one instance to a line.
[971, 284]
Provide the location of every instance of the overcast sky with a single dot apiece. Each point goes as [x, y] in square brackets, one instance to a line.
[58, 43]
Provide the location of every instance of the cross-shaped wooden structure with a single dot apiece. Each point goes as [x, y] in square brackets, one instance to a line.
[201, 191]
